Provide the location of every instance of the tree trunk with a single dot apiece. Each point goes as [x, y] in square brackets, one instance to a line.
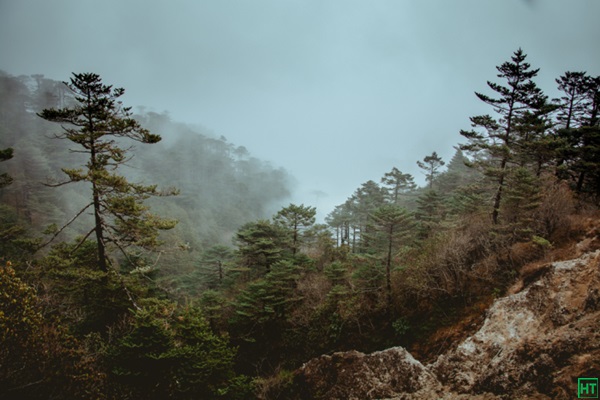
[99, 232]
[388, 268]
[498, 197]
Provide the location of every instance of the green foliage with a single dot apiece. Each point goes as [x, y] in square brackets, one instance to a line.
[351, 219]
[522, 198]
[267, 299]
[172, 353]
[38, 358]
[397, 184]
[261, 244]
[289, 291]
[20, 315]
[430, 211]
[431, 165]
[295, 219]
[401, 326]
[120, 218]
[541, 242]
[495, 148]
[336, 272]
[14, 241]
[82, 296]
[214, 266]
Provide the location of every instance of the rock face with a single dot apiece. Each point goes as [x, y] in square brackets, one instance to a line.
[534, 343]
[356, 376]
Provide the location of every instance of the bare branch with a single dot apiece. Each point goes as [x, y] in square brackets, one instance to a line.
[53, 185]
[63, 227]
[83, 240]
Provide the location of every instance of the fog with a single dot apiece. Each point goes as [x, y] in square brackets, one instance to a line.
[335, 92]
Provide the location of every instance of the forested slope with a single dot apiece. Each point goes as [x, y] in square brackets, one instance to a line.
[395, 265]
[221, 186]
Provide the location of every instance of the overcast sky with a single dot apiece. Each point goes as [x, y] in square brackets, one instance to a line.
[336, 92]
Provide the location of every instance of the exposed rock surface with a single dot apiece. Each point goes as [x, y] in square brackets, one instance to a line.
[356, 376]
[534, 343]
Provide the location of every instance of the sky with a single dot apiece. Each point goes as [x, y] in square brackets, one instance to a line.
[336, 92]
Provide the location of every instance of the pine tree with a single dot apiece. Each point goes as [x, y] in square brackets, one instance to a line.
[523, 197]
[340, 219]
[430, 211]
[260, 245]
[392, 227]
[296, 218]
[578, 143]
[431, 165]
[396, 183]
[365, 200]
[573, 102]
[457, 174]
[214, 264]
[95, 124]
[500, 137]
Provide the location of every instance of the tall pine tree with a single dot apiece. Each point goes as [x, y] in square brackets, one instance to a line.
[96, 124]
[500, 136]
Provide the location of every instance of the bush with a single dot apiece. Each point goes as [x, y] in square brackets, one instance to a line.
[172, 353]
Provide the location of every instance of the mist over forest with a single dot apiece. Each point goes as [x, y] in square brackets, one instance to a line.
[221, 186]
[144, 258]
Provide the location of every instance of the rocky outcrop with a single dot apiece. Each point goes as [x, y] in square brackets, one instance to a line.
[534, 343]
[356, 376]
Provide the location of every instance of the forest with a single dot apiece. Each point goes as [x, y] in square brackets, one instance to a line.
[165, 269]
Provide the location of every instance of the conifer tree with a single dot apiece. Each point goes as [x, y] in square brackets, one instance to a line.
[391, 227]
[366, 199]
[430, 211]
[296, 218]
[499, 138]
[579, 139]
[431, 165]
[397, 183]
[96, 124]
[457, 174]
[523, 197]
[260, 245]
[340, 219]
[572, 103]
[214, 264]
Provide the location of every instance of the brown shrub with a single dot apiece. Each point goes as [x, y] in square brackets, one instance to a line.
[557, 205]
[446, 265]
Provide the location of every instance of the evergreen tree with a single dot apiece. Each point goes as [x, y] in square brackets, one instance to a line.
[397, 183]
[457, 174]
[296, 218]
[174, 349]
[534, 145]
[260, 245]
[430, 211]
[95, 124]
[523, 197]
[339, 219]
[499, 137]
[572, 104]
[214, 264]
[578, 143]
[366, 199]
[392, 227]
[431, 165]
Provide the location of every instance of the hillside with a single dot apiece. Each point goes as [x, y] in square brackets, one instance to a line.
[534, 342]
[481, 283]
[221, 186]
